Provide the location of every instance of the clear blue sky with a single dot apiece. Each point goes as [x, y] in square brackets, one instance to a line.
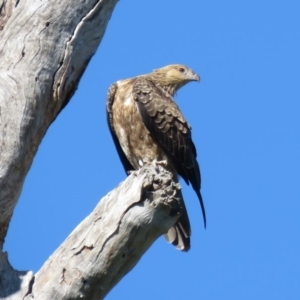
[245, 118]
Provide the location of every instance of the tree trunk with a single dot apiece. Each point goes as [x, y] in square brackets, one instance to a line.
[45, 47]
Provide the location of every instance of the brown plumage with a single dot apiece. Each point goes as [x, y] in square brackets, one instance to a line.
[147, 125]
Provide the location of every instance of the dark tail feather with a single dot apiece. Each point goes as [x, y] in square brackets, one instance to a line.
[179, 234]
[202, 206]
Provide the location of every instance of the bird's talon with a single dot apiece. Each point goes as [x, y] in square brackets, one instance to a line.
[160, 163]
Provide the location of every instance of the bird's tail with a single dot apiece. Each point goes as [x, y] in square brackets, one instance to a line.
[179, 234]
[202, 205]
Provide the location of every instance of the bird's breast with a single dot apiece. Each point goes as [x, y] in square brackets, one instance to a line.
[135, 140]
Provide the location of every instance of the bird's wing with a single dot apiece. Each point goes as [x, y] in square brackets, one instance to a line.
[165, 122]
[109, 103]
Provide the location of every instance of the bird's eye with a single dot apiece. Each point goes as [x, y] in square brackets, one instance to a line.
[181, 70]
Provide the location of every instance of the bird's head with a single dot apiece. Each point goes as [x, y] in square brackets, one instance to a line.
[173, 77]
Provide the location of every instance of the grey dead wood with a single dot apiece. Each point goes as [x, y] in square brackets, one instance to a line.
[45, 47]
[109, 242]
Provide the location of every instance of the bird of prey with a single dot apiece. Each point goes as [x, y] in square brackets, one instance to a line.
[147, 125]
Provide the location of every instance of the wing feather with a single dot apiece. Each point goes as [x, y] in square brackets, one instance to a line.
[167, 125]
[109, 103]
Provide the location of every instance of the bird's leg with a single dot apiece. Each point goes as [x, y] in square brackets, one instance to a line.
[159, 163]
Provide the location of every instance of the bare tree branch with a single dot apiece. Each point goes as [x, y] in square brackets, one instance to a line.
[110, 241]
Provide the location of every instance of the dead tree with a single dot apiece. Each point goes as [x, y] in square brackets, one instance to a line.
[45, 47]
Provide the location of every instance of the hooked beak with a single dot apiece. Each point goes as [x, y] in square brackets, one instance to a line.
[195, 77]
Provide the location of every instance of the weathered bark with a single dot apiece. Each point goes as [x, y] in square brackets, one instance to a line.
[45, 47]
[108, 243]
